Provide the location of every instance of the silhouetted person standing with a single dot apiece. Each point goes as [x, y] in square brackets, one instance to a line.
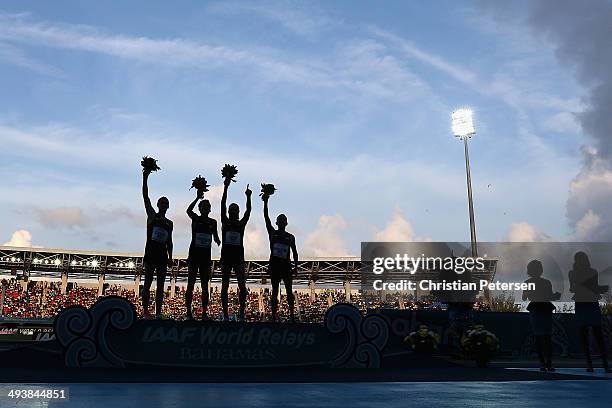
[280, 261]
[540, 312]
[584, 284]
[203, 231]
[158, 249]
[232, 250]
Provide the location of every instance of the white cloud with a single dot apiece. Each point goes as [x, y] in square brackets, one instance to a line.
[588, 204]
[326, 239]
[20, 238]
[587, 225]
[398, 229]
[62, 217]
[255, 241]
[579, 35]
[524, 232]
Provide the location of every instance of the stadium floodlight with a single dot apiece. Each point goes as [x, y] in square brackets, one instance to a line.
[94, 263]
[13, 259]
[130, 264]
[36, 260]
[56, 261]
[462, 123]
[73, 262]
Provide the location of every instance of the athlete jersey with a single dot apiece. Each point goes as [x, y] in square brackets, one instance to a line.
[159, 232]
[232, 239]
[203, 230]
[280, 245]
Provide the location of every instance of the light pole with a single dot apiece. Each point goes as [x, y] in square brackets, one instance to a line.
[463, 128]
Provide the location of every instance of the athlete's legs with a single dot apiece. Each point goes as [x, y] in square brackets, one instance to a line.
[159, 291]
[541, 352]
[288, 280]
[584, 334]
[274, 298]
[601, 344]
[146, 290]
[226, 270]
[205, 273]
[193, 270]
[548, 351]
[242, 295]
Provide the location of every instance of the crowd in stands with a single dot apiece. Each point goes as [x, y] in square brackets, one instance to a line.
[43, 299]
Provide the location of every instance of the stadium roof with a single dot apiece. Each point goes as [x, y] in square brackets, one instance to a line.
[86, 264]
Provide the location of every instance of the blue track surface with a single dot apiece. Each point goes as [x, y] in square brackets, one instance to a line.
[367, 395]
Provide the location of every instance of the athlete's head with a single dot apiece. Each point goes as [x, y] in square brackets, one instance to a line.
[204, 207]
[281, 220]
[534, 269]
[581, 261]
[163, 204]
[233, 211]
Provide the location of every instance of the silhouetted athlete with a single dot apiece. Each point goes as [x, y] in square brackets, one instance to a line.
[584, 284]
[280, 262]
[232, 250]
[540, 312]
[203, 231]
[158, 249]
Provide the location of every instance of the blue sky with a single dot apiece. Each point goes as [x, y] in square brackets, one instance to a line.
[344, 106]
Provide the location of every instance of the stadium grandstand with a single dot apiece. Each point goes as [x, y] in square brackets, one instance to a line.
[39, 282]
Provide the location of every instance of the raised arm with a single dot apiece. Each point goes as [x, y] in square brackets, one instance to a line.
[295, 255]
[216, 235]
[247, 212]
[190, 212]
[269, 226]
[145, 194]
[226, 184]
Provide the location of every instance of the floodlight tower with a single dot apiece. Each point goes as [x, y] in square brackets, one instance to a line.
[463, 128]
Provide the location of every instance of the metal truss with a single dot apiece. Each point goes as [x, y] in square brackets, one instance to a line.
[38, 262]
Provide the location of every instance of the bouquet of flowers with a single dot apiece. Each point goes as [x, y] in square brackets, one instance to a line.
[149, 164]
[267, 190]
[423, 340]
[199, 183]
[229, 171]
[480, 344]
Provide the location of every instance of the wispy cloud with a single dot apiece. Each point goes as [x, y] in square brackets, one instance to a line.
[300, 18]
[13, 55]
[360, 68]
[174, 52]
[435, 61]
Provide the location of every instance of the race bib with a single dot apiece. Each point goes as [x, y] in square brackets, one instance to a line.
[203, 240]
[232, 238]
[159, 235]
[280, 251]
